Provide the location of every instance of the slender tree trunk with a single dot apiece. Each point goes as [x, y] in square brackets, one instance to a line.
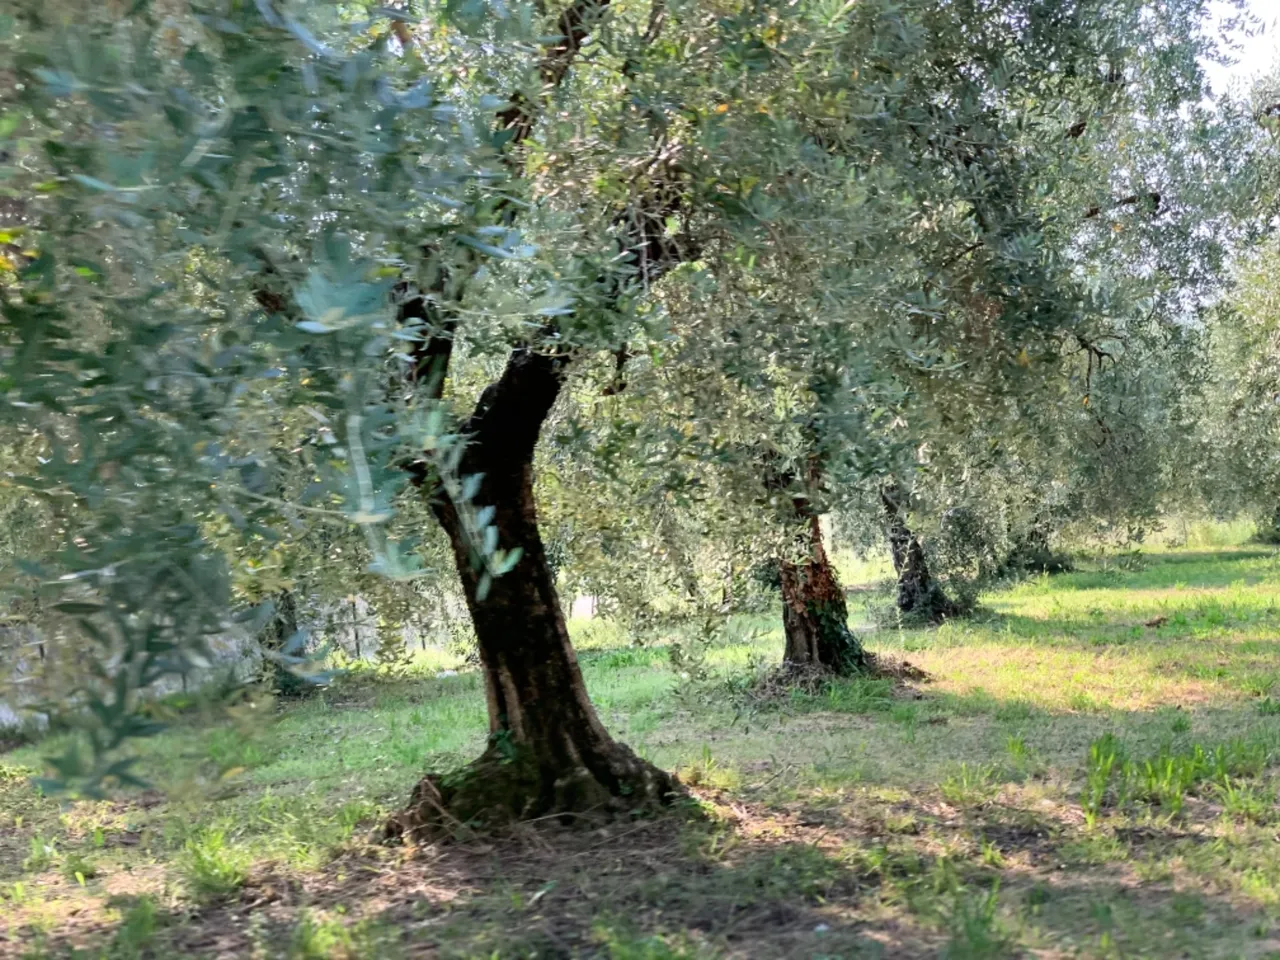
[274, 636]
[815, 613]
[548, 751]
[918, 593]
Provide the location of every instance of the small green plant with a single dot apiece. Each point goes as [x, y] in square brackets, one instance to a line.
[42, 853]
[631, 947]
[1105, 754]
[1241, 758]
[1021, 760]
[1244, 801]
[859, 695]
[1037, 896]
[212, 868]
[991, 856]
[78, 867]
[137, 930]
[967, 785]
[232, 749]
[1166, 779]
[976, 933]
[1268, 707]
[708, 771]
[319, 938]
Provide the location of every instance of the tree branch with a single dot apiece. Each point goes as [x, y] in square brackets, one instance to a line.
[1132, 200]
[575, 26]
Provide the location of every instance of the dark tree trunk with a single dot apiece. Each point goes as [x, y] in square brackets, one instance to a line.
[919, 595]
[1270, 534]
[548, 752]
[1034, 554]
[815, 614]
[274, 637]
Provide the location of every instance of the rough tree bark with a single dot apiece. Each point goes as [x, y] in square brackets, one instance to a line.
[815, 613]
[919, 595]
[548, 752]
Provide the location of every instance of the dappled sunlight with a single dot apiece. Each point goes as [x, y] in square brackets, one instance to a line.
[808, 833]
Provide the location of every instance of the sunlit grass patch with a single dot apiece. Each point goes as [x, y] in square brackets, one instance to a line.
[969, 812]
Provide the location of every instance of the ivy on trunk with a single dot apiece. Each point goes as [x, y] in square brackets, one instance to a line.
[815, 613]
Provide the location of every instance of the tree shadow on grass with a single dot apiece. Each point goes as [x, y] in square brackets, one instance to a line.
[852, 877]
[1219, 569]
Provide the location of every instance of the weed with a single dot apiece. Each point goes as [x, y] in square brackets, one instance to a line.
[1037, 896]
[318, 938]
[137, 930]
[211, 867]
[1244, 801]
[708, 771]
[1095, 848]
[976, 934]
[231, 749]
[858, 695]
[1016, 747]
[991, 855]
[1104, 754]
[1153, 869]
[968, 785]
[1165, 780]
[1082, 702]
[1188, 908]
[42, 853]
[1014, 711]
[622, 946]
[78, 867]
[907, 714]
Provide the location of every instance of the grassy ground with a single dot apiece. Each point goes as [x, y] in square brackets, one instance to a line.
[1091, 772]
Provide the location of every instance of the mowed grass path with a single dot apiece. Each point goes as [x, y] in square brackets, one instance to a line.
[1090, 772]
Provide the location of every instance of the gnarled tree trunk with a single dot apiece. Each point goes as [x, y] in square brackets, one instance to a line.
[548, 751]
[919, 595]
[815, 614]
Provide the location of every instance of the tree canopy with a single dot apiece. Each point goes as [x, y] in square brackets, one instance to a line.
[459, 305]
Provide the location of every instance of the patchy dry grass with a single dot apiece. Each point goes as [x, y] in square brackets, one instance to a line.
[1091, 772]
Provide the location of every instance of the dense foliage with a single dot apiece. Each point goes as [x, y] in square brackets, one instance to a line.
[422, 311]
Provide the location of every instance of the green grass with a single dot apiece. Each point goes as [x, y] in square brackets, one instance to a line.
[1091, 771]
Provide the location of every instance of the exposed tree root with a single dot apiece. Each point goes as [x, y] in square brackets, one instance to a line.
[505, 788]
[814, 678]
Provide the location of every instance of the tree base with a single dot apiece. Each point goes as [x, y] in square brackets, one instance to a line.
[925, 603]
[499, 790]
[814, 678]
